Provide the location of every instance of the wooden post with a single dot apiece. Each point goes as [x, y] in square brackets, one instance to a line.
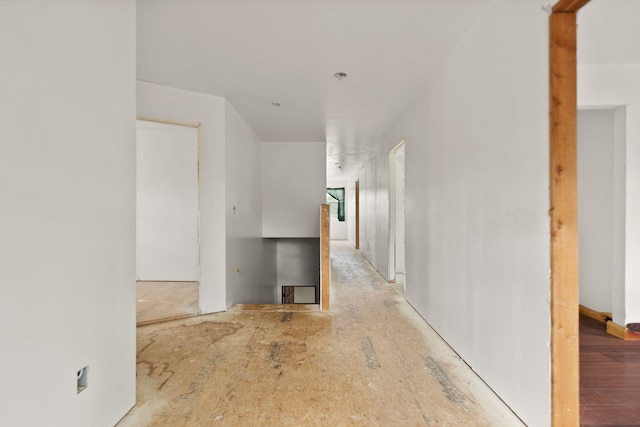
[565, 378]
[325, 266]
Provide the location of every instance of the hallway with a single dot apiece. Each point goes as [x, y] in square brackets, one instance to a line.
[371, 361]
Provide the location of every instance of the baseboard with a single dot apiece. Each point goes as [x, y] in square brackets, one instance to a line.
[622, 332]
[165, 319]
[600, 316]
[613, 328]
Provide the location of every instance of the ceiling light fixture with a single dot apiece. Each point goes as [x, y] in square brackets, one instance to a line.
[340, 75]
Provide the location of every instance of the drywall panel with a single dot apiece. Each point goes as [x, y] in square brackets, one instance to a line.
[170, 104]
[251, 260]
[477, 200]
[298, 263]
[67, 211]
[293, 188]
[167, 247]
[609, 32]
[596, 209]
[374, 212]
[619, 202]
[337, 228]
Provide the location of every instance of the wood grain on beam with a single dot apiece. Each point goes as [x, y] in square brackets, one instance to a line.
[565, 380]
[325, 267]
[569, 6]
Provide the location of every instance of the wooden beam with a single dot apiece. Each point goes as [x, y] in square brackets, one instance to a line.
[565, 380]
[325, 266]
[569, 6]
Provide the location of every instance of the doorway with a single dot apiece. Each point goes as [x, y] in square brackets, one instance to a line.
[357, 212]
[601, 209]
[167, 221]
[397, 216]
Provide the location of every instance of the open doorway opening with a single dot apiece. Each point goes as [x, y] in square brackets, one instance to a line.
[397, 216]
[357, 215]
[601, 209]
[167, 221]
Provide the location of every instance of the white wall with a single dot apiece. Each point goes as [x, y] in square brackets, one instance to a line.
[165, 103]
[246, 249]
[608, 75]
[597, 180]
[477, 200]
[167, 243]
[293, 188]
[374, 212]
[67, 211]
[338, 229]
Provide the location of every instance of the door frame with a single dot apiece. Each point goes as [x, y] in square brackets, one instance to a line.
[357, 211]
[393, 220]
[563, 191]
[195, 126]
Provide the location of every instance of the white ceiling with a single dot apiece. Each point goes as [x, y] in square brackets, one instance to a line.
[253, 52]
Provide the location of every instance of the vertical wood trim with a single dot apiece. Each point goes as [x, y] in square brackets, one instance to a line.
[358, 214]
[325, 266]
[565, 380]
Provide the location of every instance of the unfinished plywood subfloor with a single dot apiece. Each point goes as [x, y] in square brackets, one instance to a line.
[162, 301]
[370, 361]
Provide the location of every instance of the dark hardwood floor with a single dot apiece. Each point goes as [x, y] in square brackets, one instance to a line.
[609, 377]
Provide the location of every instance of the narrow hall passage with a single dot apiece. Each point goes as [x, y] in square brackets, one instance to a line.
[370, 361]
